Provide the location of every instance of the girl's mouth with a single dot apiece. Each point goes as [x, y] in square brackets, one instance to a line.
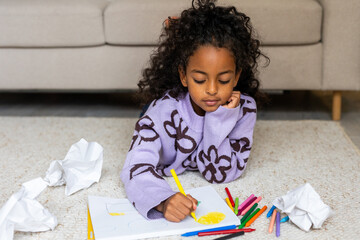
[211, 103]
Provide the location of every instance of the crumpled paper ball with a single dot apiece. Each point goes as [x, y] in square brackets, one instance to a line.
[80, 168]
[304, 207]
[22, 212]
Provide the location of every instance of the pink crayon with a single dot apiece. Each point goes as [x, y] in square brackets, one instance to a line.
[248, 208]
[246, 203]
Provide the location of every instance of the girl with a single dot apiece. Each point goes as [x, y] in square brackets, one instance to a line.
[202, 85]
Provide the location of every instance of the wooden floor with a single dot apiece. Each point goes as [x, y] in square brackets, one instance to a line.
[289, 105]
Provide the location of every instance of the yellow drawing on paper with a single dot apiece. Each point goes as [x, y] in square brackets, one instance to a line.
[116, 214]
[211, 218]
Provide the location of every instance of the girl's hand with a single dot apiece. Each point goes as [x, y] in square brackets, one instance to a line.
[234, 100]
[177, 207]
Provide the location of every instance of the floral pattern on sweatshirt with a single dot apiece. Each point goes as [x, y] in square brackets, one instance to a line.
[215, 165]
[175, 129]
[144, 132]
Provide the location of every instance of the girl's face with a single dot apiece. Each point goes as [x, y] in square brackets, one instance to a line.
[210, 78]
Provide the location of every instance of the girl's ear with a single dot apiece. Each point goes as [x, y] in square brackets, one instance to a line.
[182, 76]
[237, 76]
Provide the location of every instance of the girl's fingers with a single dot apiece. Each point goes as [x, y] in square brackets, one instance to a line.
[175, 213]
[180, 211]
[194, 201]
[235, 99]
[171, 217]
[237, 93]
[233, 102]
[178, 207]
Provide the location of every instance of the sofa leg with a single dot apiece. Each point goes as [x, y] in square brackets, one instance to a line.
[336, 106]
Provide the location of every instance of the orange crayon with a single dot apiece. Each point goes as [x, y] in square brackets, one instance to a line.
[272, 221]
[255, 217]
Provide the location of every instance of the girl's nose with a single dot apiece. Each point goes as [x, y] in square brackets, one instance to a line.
[211, 88]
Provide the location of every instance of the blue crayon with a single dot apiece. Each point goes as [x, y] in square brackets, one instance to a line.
[194, 233]
[270, 211]
[285, 219]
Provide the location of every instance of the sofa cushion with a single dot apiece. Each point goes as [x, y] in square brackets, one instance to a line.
[278, 22]
[51, 23]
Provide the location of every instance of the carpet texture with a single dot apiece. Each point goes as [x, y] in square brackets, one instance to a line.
[285, 155]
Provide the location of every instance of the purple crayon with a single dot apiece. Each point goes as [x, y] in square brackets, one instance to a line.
[278, 224]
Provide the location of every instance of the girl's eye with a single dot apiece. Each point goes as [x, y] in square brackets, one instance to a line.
[224, 82]
[199, 81]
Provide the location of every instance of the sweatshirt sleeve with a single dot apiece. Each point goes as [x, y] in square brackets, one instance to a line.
[144, 187]
[223, 153]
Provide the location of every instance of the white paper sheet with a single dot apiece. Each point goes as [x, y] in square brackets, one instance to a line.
[132, 225]
[304, 207]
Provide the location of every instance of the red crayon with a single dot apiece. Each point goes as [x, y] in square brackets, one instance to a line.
[200, 234]
[230, 197]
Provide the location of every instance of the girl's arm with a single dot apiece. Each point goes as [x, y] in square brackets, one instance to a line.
[223, 153]
[145, 188]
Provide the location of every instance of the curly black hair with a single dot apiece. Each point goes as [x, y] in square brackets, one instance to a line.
[202, 24]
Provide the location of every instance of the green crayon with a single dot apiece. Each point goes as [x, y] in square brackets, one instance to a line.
[249, 212]
[248, 218]
[236, 206]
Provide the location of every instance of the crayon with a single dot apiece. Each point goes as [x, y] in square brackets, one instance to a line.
[230, 197]
[236, 206]
[272, 221]
[247, 209]
[90, 227]
[229, 204]
[194, 233]
[201, 234]
[180, 188]
[247, 204]
[241, 225]
[284, 219]
[248, 218]
[246, 201]
[249, 212]
[278, 224]
[230, 236]
[256, 216]
[270, 211]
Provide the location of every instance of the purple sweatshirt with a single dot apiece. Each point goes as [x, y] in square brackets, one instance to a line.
[171, 135]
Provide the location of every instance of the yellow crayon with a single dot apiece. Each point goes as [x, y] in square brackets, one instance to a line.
[180, 188]
[228, 203]
[90, 227]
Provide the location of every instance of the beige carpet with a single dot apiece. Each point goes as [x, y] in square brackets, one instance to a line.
[286, 154]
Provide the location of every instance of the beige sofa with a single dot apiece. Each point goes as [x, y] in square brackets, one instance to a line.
[82, 45]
